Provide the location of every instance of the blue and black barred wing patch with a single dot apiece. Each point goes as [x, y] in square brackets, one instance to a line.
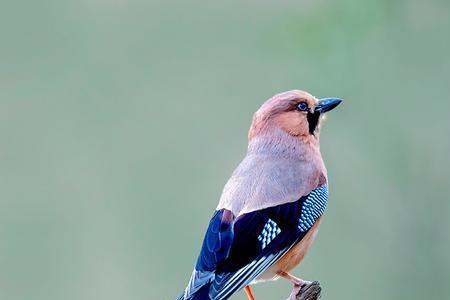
[313, 206]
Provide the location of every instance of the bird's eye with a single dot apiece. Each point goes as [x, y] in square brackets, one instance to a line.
[302, 106]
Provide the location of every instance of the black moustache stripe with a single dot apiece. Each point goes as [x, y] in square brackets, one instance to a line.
[313, 121]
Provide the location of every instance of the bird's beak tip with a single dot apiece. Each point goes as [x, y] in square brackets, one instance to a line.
[327, 104]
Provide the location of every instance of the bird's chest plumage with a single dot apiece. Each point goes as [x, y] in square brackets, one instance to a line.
[272, 174]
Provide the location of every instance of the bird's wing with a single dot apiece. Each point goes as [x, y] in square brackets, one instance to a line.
[236, 251]
[215, 249]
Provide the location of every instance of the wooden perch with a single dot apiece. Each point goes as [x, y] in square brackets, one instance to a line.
[310, 291]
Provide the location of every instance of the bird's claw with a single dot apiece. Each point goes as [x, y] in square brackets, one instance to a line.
[307, 290]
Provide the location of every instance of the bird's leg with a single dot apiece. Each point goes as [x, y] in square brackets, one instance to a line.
[297, 282]
[249, 293]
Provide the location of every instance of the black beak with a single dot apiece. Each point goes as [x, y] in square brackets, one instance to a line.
[327, 104]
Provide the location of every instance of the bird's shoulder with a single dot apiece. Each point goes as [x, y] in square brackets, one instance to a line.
[262, 181]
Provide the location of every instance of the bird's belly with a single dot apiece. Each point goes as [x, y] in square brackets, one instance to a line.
[293, 257]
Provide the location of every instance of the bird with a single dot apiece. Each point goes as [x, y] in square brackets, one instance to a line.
[272, 205]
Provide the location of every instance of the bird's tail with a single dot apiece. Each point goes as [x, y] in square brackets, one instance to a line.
[201, 294]
[181, 297]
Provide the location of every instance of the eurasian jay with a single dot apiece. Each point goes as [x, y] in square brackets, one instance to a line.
[271, 207]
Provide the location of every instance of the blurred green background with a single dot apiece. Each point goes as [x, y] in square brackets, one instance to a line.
[120, 121]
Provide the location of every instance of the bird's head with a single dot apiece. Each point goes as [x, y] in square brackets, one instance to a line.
[296, 112]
